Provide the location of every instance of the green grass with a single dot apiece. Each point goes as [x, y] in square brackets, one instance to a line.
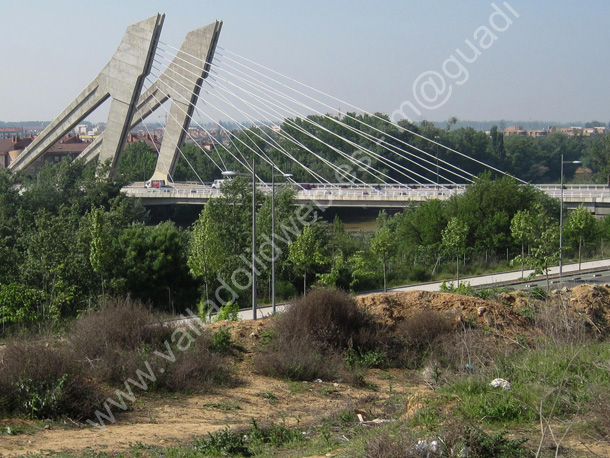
[555, 381]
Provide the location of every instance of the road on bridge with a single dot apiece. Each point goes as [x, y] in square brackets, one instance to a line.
[594, 197]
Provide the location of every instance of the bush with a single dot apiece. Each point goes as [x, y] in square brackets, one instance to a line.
[299, 358]
[331, 318]
[312, 336]
[114, 340]
[419, 336]
[221, 341]
[419, 274]
[195, 369]
[494, 445]
[45, 382]
[228, 312]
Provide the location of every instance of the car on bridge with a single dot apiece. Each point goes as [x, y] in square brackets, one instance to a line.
[155, 184]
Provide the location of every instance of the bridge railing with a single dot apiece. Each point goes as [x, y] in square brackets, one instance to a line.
[380, 193]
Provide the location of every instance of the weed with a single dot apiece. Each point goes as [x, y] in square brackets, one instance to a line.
[370, 358]
[229, 443]
[228, 312]
[44, 382]
[297, 387]
[275, 435]
[225, 406]
[268, 395]
[221, 341]
[479, 443]
[538, 293]
[222, 443]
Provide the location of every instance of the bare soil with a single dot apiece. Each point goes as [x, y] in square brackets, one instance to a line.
[167, 420]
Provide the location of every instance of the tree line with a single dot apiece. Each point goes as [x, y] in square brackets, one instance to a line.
[69, 238]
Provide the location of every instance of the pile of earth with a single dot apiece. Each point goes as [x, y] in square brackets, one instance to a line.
[392, 308]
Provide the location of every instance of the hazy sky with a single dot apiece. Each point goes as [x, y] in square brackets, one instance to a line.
[548, 62]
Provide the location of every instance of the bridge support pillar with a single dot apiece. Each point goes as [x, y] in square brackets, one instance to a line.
[122, 79]
[181, 82]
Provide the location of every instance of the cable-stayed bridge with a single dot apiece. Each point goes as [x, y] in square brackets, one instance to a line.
[356, 158]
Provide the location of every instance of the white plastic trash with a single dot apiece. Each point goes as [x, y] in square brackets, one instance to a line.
[500, 383]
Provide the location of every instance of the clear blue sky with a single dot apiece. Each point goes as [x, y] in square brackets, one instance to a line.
[550, 64]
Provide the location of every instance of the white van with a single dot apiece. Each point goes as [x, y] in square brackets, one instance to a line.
[217, 184]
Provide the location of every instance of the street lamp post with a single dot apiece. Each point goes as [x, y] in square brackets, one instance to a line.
[436, 138]
[273, 175]
[561, 218]
[254, 282]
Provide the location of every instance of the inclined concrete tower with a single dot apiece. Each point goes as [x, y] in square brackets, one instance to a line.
[181, 81]
[122, 79]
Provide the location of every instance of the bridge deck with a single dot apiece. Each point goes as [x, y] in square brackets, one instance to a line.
[594, 197]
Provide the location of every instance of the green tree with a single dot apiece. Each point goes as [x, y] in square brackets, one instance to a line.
[101, 249]
[307, 252]
[523, 230]
[580, 227]
[454, 241]
[207, 250]
[154, 266]
[137, 162]
[383, 245]
[544, 251]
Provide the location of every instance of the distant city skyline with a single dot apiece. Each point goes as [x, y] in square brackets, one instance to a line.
[477, 61]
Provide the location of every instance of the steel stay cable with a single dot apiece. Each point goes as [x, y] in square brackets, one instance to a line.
[370, 114]
[392, 148]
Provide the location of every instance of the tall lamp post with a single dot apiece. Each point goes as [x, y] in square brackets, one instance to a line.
[231, 174]
[561, 219]
[437, 139]
[273, 175]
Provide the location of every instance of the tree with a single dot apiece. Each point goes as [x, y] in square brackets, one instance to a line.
[207, 252]
[154, 265]
[306, 253]
[100, 250]
[545, 250]
[383, 245]
[137, 162]
[546, 253]
[580, 227]
[522, 228]
[454, 241]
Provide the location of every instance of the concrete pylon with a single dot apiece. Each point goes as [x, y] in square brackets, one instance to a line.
[181, 81]
[122, 79]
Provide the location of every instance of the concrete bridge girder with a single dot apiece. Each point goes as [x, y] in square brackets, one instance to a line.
[181, 82]
[122, 79]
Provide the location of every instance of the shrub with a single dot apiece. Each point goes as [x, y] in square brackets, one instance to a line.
[479, 443]
[221, 341]
[469, 348]
[312, 336]
[228, 312]
[299, 358]
[331, 318]
[112, 342]
[419, 274]
[223, 442]
[538, 293]
[418, 336]
[195, 369]
[45, 382]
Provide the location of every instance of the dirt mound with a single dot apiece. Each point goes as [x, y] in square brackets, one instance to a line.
[591, 301]
[392, 308]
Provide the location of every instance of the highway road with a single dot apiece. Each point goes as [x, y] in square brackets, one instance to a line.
[591, 272]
